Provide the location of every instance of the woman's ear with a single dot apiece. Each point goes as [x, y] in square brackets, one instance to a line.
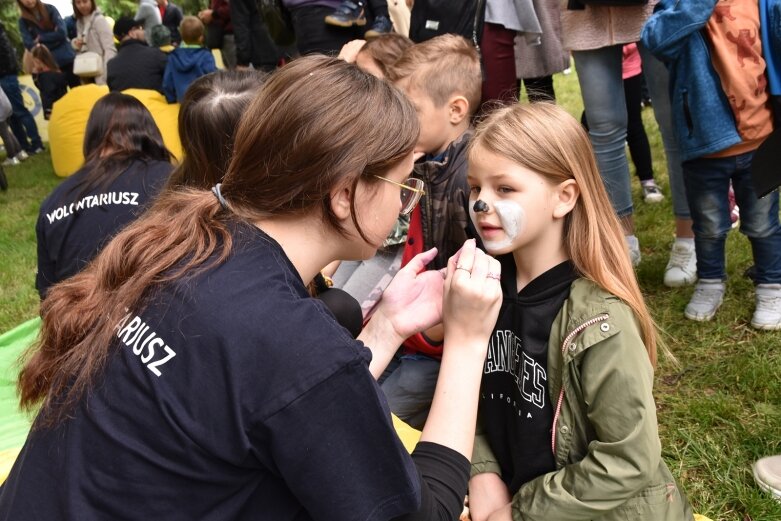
[341, 201]
[567, 194]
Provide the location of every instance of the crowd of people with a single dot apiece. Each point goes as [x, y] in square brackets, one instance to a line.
[227, 337]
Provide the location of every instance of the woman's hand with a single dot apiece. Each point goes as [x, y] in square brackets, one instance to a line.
[77, 43]
[412, 302]
[487, 494]
[473, 295]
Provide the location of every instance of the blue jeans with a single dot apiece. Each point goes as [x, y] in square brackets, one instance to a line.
[658, 79]
[22, 122]
[707, 184]
[599, 75]
[409, 389]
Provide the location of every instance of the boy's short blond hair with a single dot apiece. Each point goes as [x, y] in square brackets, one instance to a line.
[441, 67]
[191, 30]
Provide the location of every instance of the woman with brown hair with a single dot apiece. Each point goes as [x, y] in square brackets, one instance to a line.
[187, 373]
[126, 165]
[42, 23]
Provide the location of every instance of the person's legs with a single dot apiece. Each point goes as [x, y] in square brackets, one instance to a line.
[410, 388]
[228, 51]
[759, 222]
[539, 89]
[72, 79]
[636, 138]
[314, 36]
[601, 86]
[22, 122]
[599, 74]
[12, 147]
[498, 51]
[707, 183]
[682, 266]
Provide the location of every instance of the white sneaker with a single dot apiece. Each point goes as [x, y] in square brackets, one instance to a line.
[21, 156]
[634, 249]
[681, 269]
[11, 161]
[767, 474]
[767, 314]
[652, 193]
[708, 296]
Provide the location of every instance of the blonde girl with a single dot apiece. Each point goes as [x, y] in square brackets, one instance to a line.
[567, 422]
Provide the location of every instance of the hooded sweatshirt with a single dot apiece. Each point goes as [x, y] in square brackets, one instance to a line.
[185, 64]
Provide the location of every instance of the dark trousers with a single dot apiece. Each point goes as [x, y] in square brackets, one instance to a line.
[539, 89]
[500, 84]
[22, 122]
[313, 35]
[636, 138]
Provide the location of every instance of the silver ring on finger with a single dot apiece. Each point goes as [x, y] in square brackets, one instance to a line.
[495, 276]
[459, 267]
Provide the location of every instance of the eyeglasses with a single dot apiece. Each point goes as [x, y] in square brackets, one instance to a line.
[411, 192]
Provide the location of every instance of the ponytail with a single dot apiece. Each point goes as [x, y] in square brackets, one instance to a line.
[174, 239]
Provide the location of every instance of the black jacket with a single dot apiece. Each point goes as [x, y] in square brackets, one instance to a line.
[8, 61]
[136, 66]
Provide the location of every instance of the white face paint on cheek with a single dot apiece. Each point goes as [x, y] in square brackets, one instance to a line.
[513, 218]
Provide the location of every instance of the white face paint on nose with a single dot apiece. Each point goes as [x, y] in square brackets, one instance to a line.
[512, 218]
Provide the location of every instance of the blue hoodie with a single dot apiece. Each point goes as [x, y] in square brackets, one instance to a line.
[185, 65]
[703, 120]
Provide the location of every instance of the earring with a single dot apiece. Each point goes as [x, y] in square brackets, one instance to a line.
[480, 206]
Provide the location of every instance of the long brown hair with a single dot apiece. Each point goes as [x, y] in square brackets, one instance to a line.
[302, 136]
[208, 117]
[38, 15]
[120, 130]
[546, 139]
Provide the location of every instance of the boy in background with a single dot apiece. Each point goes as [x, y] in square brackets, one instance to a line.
[723, 56]
[188, 62]
[442, 78]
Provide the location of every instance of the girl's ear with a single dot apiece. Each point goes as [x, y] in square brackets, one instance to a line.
[566, 196]
[341, 199]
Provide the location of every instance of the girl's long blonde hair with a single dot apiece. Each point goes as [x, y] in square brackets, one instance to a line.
[546, 139]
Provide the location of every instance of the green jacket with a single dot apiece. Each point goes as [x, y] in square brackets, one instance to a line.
[607, 449]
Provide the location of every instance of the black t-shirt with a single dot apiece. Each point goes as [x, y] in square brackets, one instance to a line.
[231, 395]
[73, 226]
[515, 409]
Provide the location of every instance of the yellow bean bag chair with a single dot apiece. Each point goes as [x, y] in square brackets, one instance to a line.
[166, 116]
[68, 124]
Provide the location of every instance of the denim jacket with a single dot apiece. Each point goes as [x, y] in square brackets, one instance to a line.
[703, 120]
[604, 436]
[702, 117]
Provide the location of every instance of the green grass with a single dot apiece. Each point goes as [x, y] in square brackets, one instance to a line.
[719, 408]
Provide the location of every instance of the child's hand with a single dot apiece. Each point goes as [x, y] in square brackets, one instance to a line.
[350, 50]
[412, 302]
[473, 295]
[487, 494]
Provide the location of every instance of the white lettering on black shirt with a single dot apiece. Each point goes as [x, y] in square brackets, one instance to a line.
[90, 201]
[144, 342]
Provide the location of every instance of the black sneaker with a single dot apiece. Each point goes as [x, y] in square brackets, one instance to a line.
[382, 25]
[347, 15]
